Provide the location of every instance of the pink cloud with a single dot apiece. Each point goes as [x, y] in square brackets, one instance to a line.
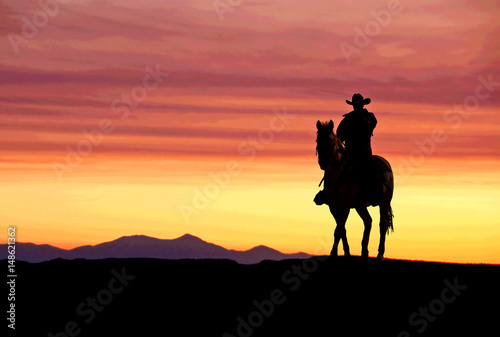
[266, 54]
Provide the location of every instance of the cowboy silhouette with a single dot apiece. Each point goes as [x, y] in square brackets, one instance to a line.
[356, 130]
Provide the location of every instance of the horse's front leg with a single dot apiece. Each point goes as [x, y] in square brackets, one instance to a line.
[340, 231]
[367, 221]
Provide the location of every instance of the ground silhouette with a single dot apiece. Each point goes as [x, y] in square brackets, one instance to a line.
[311, 297]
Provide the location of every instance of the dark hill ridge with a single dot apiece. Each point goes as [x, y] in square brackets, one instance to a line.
[300, 297]
[142, 246]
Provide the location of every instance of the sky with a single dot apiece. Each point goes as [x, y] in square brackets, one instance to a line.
[169, 117]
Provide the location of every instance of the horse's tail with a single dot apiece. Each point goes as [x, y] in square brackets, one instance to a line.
[386, 171]
[390, 224]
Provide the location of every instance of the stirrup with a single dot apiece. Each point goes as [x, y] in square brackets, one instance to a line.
[320, 198]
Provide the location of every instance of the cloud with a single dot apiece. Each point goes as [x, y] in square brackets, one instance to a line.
[226, 77]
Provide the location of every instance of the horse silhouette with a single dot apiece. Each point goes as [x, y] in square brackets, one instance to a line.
[341, 193]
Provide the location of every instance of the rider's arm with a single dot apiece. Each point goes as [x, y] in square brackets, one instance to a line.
[371, 121]
[341, 131]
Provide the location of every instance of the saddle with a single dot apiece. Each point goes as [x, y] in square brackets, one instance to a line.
[370, 193]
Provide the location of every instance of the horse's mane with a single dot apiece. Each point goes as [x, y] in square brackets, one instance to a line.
[338, 146]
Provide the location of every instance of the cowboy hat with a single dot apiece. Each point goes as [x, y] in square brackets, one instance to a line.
[358, 99]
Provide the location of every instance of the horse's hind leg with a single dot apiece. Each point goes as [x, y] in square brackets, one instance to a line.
[384, 222]
[367, 221]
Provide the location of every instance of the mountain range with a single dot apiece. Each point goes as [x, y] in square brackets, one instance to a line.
[141, 246]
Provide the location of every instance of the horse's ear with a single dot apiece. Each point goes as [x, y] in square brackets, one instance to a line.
[330, 126]
[318, 124]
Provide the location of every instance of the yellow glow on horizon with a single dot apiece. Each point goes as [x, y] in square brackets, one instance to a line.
[433, 221]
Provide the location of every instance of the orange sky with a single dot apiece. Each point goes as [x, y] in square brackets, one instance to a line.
[116, 116]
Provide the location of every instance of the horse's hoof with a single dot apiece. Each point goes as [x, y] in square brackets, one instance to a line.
[380, 257]
[364, 254]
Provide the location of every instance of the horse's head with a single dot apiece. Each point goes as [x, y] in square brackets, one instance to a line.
[328, 146]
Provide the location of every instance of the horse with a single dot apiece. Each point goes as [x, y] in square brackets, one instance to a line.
[341, 193]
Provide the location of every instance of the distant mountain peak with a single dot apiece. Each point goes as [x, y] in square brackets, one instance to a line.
[189, 238]
[137, 236]
[134, 238]
[262, 248]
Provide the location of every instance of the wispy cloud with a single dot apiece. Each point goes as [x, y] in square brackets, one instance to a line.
[227, 74]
